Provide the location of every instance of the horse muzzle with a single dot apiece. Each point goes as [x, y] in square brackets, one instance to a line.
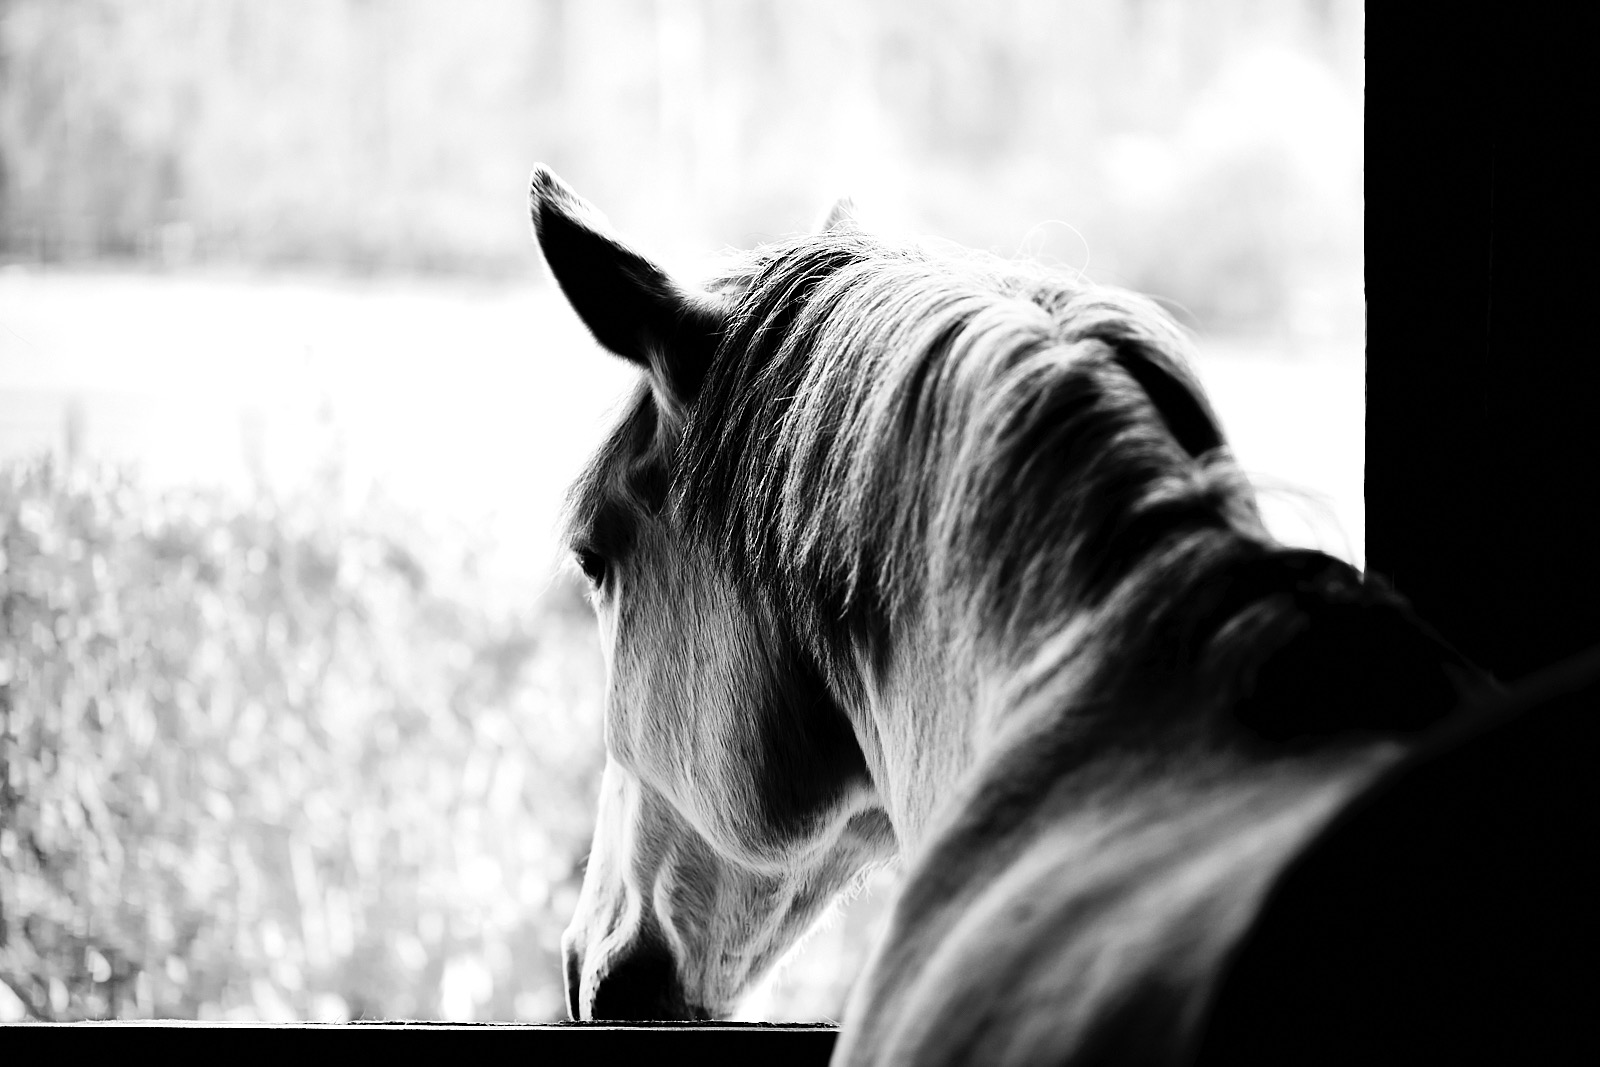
[638, 984]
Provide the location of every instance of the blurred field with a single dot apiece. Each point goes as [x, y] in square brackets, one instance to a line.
[471, 402]
[475, 403]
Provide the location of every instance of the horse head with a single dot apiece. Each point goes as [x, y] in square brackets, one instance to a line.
[904, 549]
[735, 802]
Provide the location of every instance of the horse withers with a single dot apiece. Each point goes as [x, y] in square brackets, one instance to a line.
[910, 553]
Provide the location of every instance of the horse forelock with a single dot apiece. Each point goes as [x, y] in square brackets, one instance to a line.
[881, 419]
[626, 480]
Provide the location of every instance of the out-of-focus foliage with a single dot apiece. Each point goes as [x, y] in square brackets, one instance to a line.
[267, 760]
[1206, 150]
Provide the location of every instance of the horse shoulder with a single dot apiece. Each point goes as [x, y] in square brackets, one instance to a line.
[1068, 932]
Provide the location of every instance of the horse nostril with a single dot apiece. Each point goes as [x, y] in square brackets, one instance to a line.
[641, 985]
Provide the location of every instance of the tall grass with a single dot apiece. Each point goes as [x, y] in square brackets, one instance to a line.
[266, 759]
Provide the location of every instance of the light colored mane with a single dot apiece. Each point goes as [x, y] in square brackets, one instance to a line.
[883, 425]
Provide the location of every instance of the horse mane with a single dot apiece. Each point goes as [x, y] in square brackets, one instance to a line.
[885, 427]
[884, 424]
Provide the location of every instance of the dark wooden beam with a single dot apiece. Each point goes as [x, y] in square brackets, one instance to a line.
[1482, 429]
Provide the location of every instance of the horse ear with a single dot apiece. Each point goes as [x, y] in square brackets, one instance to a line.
[628, 303]
[841, 218]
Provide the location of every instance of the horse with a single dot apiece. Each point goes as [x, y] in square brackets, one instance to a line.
[903, 553]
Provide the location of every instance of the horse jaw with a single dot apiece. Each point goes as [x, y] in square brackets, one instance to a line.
[669, 927]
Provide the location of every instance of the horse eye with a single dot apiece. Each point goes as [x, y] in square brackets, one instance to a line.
[593, 566]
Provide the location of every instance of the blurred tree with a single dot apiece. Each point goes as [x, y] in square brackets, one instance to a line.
[397, 136]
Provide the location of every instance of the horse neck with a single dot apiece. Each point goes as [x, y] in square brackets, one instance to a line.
[953, 680]
[1182, 655]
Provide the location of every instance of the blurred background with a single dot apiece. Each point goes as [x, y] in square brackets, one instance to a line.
[299, 707]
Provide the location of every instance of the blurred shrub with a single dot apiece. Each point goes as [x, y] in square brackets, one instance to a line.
[266, 760]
